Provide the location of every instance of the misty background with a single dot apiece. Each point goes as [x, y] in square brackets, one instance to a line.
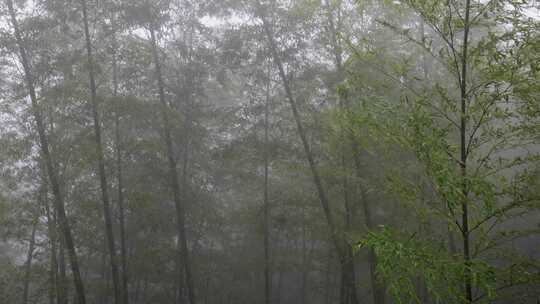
[269, 151]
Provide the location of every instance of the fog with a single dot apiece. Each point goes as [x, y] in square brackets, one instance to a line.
[269, 151]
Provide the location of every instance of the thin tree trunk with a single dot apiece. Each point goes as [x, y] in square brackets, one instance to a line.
[28, 264]
[463, 158]
[101, 160]
[173, 174]
[267, 274]
[45, 152]
[348, 278]
[62, 276]
[377, 289]
[276, 294]
[279, 286]
[342, 247]
[105, 279]
[145, 291]
[348, 269]
[327, 285]
[304, 281]
[343, 290]
[51, 235]
[51, 231]
[119, 176]
[179, 276]
[137, 291]
[337, 238]
[185, 174]
[300, 128]
[185, 180]
[123, 247]
[346, 198]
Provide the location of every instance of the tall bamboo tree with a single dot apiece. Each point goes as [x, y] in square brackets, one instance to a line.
[46, 155]
[101, 159]
[173, 173]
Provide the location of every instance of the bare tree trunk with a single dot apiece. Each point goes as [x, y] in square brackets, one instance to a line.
[51, 235]
[62, 275]
[348, 278]
[267, 274]
[279, 286]
[278, 265]
[346, 198]
[119, 176]
[123, 248]
[28, 264]
[327, 289]
[342, 247]
[348, 269]
[101, 160]
[45, 152]
[137, 291]
[145, 290]
[179, 276]
[338, 239]
[305, 262]
[105, 278]
[174, 180]
[53, 270]
[185, 174]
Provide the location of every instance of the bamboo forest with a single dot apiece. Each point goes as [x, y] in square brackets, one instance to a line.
[269, 151]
